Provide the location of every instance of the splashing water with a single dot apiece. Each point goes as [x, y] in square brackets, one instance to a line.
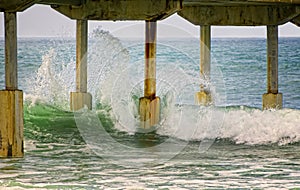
[52, 82]
[115, 80]
[245, 155]
[253, 126]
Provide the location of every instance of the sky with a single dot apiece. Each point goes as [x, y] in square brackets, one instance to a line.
[43, 21]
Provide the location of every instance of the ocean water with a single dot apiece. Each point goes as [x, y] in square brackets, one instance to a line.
[231, 144]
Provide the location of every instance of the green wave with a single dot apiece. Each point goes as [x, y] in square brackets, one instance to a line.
[48, 124]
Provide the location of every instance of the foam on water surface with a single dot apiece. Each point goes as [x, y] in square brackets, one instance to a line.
[115, 79]
[223, 146]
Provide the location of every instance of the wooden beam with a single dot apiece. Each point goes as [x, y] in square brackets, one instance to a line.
[121, 9]
[250, 15]
[296, 20]
[61, 2]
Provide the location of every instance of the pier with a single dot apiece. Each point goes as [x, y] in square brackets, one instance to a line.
[203, 13]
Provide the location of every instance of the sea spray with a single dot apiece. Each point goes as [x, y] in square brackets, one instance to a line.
[52, 82]
[245, 155]
[115, 79]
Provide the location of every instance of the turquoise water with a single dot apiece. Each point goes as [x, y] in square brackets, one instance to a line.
[232, 144]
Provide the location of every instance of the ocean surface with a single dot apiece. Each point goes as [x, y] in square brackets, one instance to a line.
[231, 144]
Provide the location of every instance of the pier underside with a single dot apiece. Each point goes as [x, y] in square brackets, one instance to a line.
[204, 13]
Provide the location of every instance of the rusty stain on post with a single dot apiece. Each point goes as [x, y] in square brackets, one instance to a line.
[11, 74]
[203, 97]
[150, 60]
[81, 57]
[149, 105]
[272, 67]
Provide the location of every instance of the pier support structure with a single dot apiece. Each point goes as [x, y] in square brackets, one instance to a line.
[81, 97]
[203, 97]
[149, 105]
[11, 99]
[272, 99]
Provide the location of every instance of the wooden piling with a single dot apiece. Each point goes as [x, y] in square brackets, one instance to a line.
[203, 97]
[149, 105]
[81, 55]
[150, 60]
[11, 74]
[81, 97]
[272, 99]
[11, 99]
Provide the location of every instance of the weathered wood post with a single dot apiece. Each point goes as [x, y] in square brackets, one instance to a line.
[203, 97]
[149, 107]
[11, 99]
[272, 99]
[81, 97]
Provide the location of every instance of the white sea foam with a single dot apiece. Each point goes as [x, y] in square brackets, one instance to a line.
[254, 126]
[251, 126]
[115, 81]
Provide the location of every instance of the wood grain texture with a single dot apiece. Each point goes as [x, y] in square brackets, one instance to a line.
[11, 123]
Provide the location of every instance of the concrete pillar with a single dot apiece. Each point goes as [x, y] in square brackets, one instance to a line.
[11, 99]
[81, 97]
[272, 99]
[203, 97]
[149, 105]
